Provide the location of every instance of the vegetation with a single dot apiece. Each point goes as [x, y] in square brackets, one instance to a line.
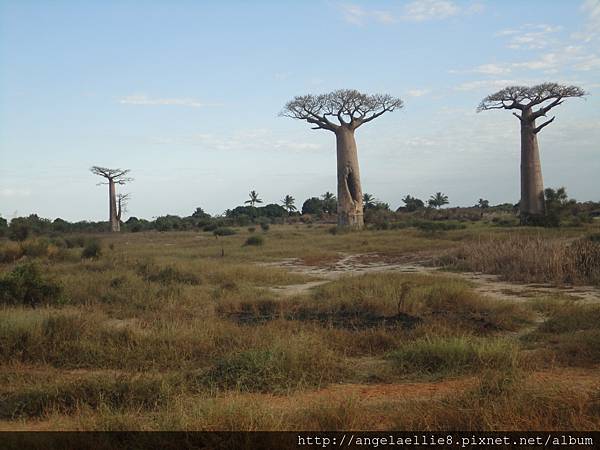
[179, 330]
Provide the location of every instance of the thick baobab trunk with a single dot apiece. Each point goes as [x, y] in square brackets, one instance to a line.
[532, 185]
[112, 207]
[350, 207]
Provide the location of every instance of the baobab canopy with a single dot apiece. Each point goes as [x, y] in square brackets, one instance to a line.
[523, 97]
[350, 107]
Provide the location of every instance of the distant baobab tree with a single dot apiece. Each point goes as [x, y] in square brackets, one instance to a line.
[524, 99]
[351, 109]
[253, 199]
[122, 200]
[113, 177]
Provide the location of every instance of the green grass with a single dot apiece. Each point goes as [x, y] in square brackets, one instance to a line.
[442, 357]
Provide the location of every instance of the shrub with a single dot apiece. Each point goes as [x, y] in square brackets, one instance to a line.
[251, 229]
[10, 251]
[210, 227]
[224, 231]
[255, 240]
[25, 285]
[92, 249]
[265, 226]
[165, 275]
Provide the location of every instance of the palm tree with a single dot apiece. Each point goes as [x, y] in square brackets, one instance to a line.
[288, 203]
[329, 202]
[438, 200]
[253, 199]
[368, 201]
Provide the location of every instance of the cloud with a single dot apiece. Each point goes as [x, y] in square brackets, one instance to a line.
[259, 139]
[422, 10]
[492, 69]
[142, 99]
[418, 92]
[591, 8]
[415, 11]
[531, 36]
[485, 84]
[12, 192]
[357, 15]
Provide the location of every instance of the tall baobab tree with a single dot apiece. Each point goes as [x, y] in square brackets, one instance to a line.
[253, 199]
[524, 99]
[113, 177]
[342, 112]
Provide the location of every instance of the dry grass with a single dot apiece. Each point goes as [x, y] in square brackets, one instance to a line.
[530, 259]
[162, 332]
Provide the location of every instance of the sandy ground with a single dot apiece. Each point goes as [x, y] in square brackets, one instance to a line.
[488, 285]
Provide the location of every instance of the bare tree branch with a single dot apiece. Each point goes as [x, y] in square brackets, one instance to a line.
[548, 122]
[118, 176]
[350, 107]
[525, 98]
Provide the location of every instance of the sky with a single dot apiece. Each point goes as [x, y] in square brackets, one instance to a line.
[187, 95]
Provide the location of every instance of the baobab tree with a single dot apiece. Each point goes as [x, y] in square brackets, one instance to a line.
[122, 200]
[113, 177]
[524, 99]
[342, 112]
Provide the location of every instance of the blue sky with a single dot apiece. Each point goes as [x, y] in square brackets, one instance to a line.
[187, 94]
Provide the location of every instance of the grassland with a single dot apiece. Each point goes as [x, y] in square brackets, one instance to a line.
[183, 330]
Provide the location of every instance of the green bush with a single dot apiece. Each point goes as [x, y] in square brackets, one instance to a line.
[25, 285]
[92, 249]
[224, 231]
[255, 240]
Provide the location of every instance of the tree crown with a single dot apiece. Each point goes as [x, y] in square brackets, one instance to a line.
[118, 176]
[347, 108]
[546, 95]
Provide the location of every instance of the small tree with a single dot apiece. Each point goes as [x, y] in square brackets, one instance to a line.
[288, 203]
[438, 200]
[329, 202]
[524, 99]
[483, 204]
[412, 203]
[253, 199]
[368, 201]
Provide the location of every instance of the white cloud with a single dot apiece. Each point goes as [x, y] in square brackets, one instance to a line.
[492, 69]
[257, 139]
[485, 84]
[357, 15]
[591, 8]
[415, 11]
[422, 10]
[142, 99]
[531, 36]
[418, 92]
[12, 192]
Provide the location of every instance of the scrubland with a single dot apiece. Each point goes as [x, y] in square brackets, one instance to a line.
[170, 331]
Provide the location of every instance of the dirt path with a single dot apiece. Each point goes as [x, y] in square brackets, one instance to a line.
[487, 285]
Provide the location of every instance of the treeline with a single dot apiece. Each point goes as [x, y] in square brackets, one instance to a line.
[560, 210]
